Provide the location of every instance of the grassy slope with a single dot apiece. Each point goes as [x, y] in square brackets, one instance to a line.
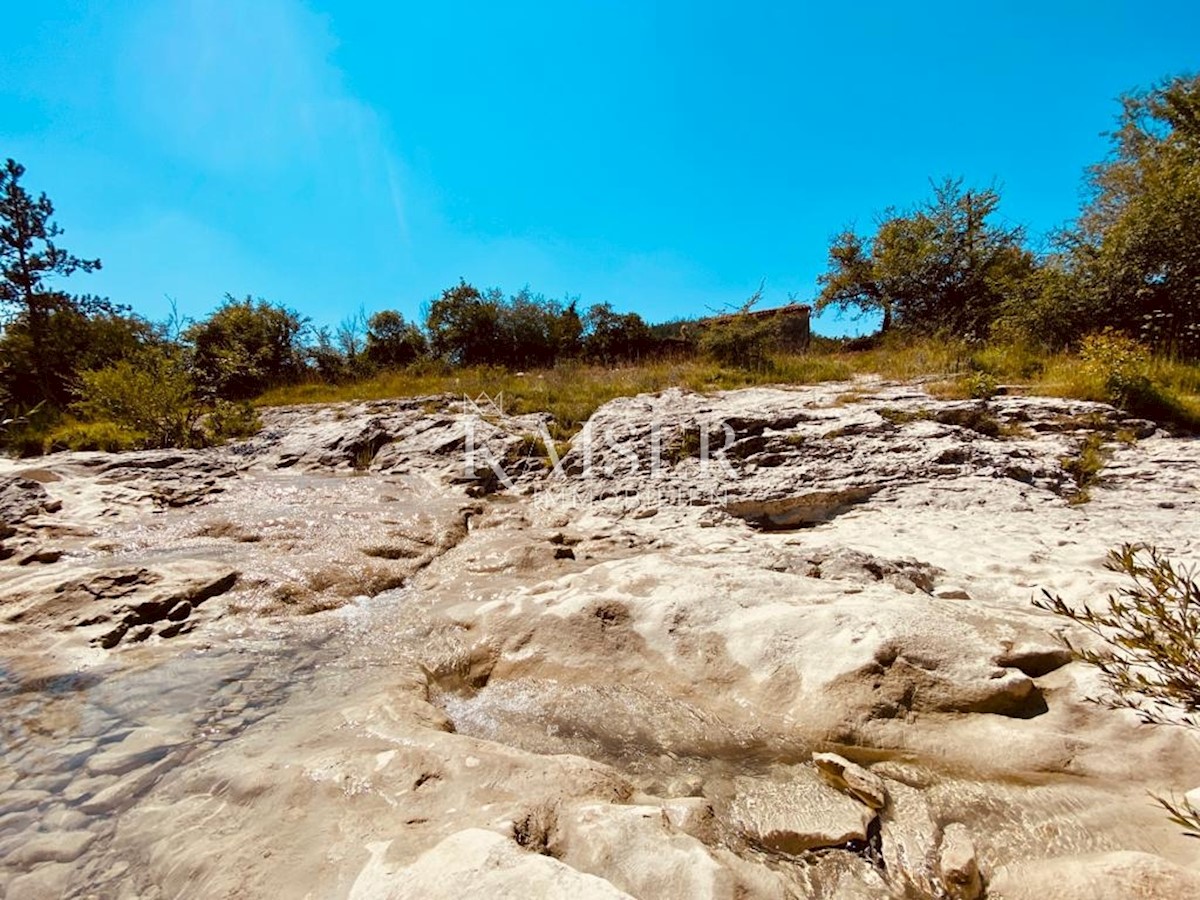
[572, 392]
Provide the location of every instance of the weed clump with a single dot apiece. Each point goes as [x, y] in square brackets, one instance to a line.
[1085, 467]
[979, 419]
[981, 386]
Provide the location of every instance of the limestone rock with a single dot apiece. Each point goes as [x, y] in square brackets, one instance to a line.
[951, 592]
[692, 815]
[23, 799]
[1122, 875]
[47, 880]
[909, 836]
[110, 604]
[58, 846]
[802, 813]
[22, 499]
[139, 748]
[851, 778]
[957, 864]
[784, 596]
[478, 863]
[637, 850]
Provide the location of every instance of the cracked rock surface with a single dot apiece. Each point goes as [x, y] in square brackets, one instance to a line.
[770, 643]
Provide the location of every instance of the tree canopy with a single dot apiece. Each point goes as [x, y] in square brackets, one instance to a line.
[30, 259]
[1137, 245]
[947, 264]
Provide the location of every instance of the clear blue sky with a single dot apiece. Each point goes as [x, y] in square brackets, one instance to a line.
[664, 157]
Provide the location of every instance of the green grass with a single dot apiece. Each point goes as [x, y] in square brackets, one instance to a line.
[1085, 467]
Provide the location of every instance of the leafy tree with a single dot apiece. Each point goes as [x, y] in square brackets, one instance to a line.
[326, 358]
[29, 259]
[71, 341]
[462, 325]
[566, 330]
[610, 336]
[352, 337]
[392, 341]
[246, 347]
[1049, 310]
[534, 332]
[1136, 245]
[947, 265]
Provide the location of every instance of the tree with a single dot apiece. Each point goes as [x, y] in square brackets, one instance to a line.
[610, 336]
[29, 258]
[246, 347]
[566, 330]
[946, 265]
[1136, 244]
[535, 332]
[71, 341]
[392, 341]
[462, 325]
[352, 336]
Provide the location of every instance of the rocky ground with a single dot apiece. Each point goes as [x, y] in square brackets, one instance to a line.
[767, 643]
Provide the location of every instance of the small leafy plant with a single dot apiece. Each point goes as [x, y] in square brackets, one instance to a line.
[1085, 467]
[981, 386]
[1151, 636]
[1118, 362]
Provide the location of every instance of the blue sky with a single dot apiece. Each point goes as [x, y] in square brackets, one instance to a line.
[663, 157]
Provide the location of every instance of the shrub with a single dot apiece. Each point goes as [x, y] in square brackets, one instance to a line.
[610, 336]
[1151, 636]
[153, 398]
[391, 341]
[978, 418]
[228, 420]
[1118, 362]
[462, 325]
[246, 347]
[981, 386]
[740, 340]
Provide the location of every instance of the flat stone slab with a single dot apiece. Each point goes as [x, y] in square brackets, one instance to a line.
[802, 813]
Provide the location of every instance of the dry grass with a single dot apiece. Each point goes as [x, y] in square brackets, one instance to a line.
[571, 392]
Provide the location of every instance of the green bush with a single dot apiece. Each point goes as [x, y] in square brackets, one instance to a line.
[1118, 362]
[153, 397]
[981, 386]
[1085, 467]
[227, 420]
[392, 342]
[741, 341]
[246, 347]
